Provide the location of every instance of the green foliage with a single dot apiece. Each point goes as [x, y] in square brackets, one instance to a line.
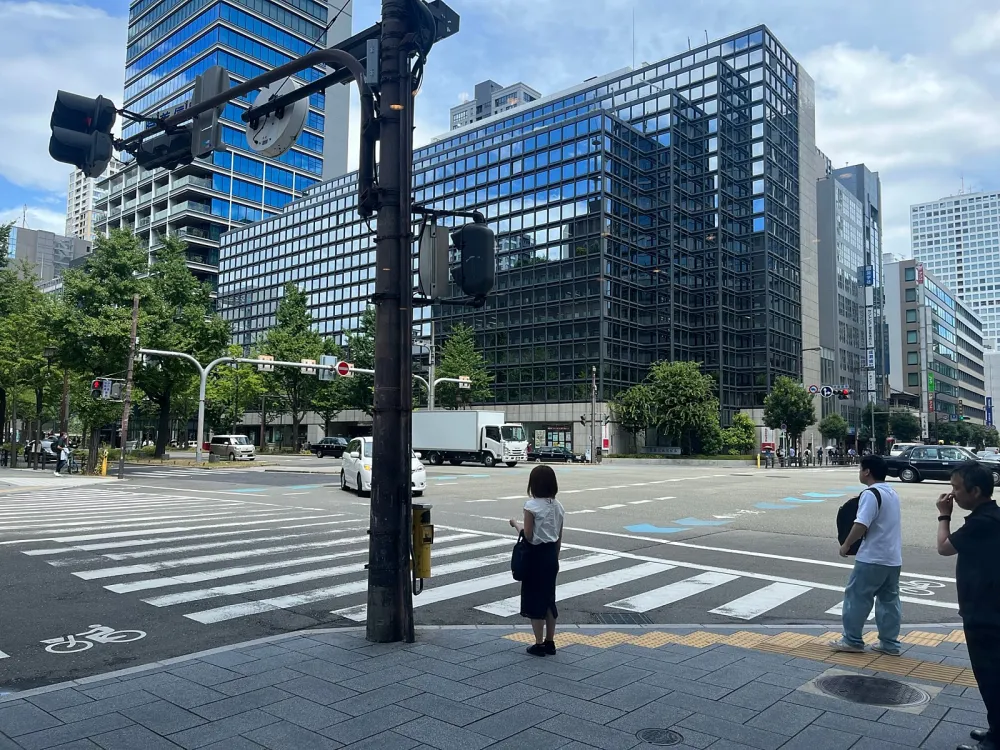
[712, 440]
[231, 391]
[904, 426]
[833, 427]
[358, 391]
[632, 409]
[790, 404]
[881, 425]
[684, 402]
[741, 436]
[4, 239]
[991, 438]
[459, 356]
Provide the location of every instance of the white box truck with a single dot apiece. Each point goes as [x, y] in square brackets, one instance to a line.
[483, 437]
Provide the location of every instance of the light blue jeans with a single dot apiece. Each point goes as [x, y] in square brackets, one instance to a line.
[879, 584]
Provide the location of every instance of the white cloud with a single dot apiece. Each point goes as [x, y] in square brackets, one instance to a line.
[982, 35]
[45, 47]
[38, 218]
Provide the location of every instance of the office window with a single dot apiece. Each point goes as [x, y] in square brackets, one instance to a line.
[911, 316]
[913, 358]
[913, 378]
[911, 295]
[911, 337]
[910, 274]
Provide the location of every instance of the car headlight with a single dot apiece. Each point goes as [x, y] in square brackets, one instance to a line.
[368, 467]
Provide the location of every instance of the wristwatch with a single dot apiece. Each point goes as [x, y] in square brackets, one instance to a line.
[944, 518]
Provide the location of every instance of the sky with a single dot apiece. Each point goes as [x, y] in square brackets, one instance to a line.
[900, 85]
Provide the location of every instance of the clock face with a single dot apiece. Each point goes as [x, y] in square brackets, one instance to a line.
[275, 134]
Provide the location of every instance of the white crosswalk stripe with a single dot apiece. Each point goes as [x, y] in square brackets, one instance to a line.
[213, 561]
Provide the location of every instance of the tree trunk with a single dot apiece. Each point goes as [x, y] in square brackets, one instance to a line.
[92, 454]
[163, 425]
[296, 421]
[3, 416]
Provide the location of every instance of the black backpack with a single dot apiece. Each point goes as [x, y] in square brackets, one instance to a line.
[846, 515]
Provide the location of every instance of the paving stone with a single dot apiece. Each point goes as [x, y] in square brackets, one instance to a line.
[502, 699]
[100, 692]
[317, 690]
[617, 677]
[257, 681]
[955, 701]
[821, 738]
[632, 696]
[486, 648]
[284, 735]
[502, 659]
[748, 736]
[697, 704]
[502, 677]
[101, 707]
[511, 721]
[566, 687]
[933, 712]
[327, 670]
[331, 654]
[237, 704]
[785, 718]
[756, 696]
[58, 699]
[874, 729]
[286, 659]
[443, 686]
[909, 721]
[130, 738]
[375, 699]
[22, 718]
[379, 679]
[734, 676]
[867, 743]
[222, 729]
[369, 724]
[590, 733]
[531, 739]
[343, 640]
[651, 715]
[959, 716]
[559, 669]
[163, 717]
[265, 651]
[184, 693]
[452, 656]
[442, 735]
[6, 743]
[441, 668]
[305, 713]
[444, 709]
[826, 703]
[74, 745]
[781, 679]
[604, 660]
[233, 743]
[226, 658]
[947, 735]
[383, 662]
[78, 730]
[567, 704]
[683, 671]
[703, 689]
[205, 674]
[385, 741]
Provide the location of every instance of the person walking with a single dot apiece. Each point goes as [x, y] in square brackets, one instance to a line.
[60, 446]
[542, 527]
[977, 576]
[875, 578]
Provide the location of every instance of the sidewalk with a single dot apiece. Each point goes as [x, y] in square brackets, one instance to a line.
[18, 478]
[457, 688]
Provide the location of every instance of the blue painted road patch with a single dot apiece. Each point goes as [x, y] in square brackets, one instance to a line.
[648, 528]
[699, 522]
[774, 506]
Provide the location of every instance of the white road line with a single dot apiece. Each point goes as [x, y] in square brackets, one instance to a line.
[575, 512]
[567, 492]
[291, 579]
[638, 484]
[243, 609]
[673, 592]
[665, 497]
[84, 508]
[838, 610]
[132, 521]
[761, 601]
[214, 545]
[512, 497]
[511, 606]
[4, 656]
[611, 507]
[595, 489]
[480, 501]
[639, 502]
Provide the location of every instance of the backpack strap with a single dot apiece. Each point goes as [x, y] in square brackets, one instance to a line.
[878, 499]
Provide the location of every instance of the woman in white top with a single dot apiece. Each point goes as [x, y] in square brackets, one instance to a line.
[542, 528]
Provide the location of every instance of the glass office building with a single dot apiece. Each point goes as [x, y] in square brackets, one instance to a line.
[171, 42]
[643, 215]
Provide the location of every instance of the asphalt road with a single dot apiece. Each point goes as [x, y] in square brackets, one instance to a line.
[190, 559]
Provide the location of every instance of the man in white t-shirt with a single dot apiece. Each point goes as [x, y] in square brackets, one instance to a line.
[875, 578]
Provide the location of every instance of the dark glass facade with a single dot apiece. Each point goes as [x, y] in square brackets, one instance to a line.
[645, 215]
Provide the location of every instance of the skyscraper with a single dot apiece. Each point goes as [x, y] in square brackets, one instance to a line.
[80, 201]
[958, 240]
[171, 42]
[491, 98]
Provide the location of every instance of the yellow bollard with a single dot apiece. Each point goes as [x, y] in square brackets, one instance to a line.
[423, 538]
[758, 460]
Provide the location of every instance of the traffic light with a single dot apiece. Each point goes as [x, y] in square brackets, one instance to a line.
[207, 133]
[477, 269]
[843, 393]
[81, 132]
[961, 411]
[97, 389]
[167, 150]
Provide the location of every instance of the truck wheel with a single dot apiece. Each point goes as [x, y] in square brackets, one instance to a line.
[489, 460]
[512, 464]
[436, 459]
[455, 461]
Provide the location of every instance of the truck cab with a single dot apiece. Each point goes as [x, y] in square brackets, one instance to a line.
[507, 443]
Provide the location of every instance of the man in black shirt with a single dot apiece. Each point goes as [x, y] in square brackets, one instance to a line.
[977, 574]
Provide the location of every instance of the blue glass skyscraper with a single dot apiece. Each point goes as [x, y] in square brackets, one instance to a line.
[171, 42]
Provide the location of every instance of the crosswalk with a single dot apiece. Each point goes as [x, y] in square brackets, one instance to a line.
[164, 472]
[47, 479]
[218, 560]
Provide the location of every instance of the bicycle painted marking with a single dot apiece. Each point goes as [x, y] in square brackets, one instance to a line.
[98, 634]
[920, 588]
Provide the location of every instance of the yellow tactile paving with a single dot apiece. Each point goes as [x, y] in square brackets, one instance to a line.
[791, 643]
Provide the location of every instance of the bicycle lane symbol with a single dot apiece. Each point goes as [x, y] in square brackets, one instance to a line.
[98, 634]
[919, 588]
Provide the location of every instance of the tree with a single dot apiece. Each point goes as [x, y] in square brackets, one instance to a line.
[459, 356]
[977, 436]
[633, 410]
[991, 438]
[4, 240]
[789, 404]
[293, 339]
[833, 427]
[881, 424]
[175, 314]
[93, 414]
[329, 402]
[684, 402]
[741, 436]
[359, 390]
[904, 425]
[232, 390]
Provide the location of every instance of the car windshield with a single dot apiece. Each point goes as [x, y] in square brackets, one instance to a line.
[514, 433]
[241, 440]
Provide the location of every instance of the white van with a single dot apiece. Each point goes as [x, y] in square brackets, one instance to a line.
[898, 448]
[233, 447]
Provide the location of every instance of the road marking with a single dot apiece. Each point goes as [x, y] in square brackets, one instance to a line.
[595, 489]
[761, 601]
[610, 507]
[473, 585]
[666, 497]
[575, 512]
[639, 502]
[512, 606]
[4, 656]
[838, 610]
[567, 492]
[673, 592]
[638, 484]
[210, 545]
[62, 527]
[689, 521]
[480, 501]
[251, 489]
[445, 484]
[512, 497]
[295, 494]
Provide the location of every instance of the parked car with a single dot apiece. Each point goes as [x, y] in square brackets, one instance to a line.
[356, 473]
[329, 446]
[554, 454]
[898, 448]
[233, 447]
[920, 462]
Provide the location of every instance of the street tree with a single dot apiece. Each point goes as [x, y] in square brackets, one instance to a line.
[991, 438]
[232, 390]
[684, 404]
[358, 390]
[632, 409]
[293, 339]
[459, 356]
[741, 436]
[881, 425]
[789, 404]
[329, 401]
[4, 241]
[904, 425]
[92, 414]
[833, 427]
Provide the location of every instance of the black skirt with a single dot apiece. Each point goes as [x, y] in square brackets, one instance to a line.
[538, 589]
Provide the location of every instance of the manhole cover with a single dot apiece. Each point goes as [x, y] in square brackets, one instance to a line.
[872, 691]
[621, 618]
[659, 736]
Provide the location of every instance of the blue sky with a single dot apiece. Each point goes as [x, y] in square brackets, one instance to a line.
[902, 85]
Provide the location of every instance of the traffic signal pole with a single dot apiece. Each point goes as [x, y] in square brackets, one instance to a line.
[127, 405]
[390, 595]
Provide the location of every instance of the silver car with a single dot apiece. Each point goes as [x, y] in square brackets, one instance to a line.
[233, 447]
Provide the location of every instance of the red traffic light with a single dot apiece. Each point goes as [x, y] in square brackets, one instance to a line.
[96, 384]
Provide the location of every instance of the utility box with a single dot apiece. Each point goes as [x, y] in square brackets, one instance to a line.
[423, 538]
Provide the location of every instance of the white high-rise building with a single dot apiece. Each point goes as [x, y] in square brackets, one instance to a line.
[958, 240]
[80, 202]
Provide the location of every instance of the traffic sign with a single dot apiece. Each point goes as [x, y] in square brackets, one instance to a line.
[266, 368]
[330, 361]
[344, 369]
[105, 388]
[464, 382]
[784, 427]
[308, 370]
[814, 389]
[826, 391]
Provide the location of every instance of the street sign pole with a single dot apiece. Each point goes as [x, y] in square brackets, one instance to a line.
[127, 405]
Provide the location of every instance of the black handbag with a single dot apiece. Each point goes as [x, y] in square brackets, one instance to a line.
[519, 558]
